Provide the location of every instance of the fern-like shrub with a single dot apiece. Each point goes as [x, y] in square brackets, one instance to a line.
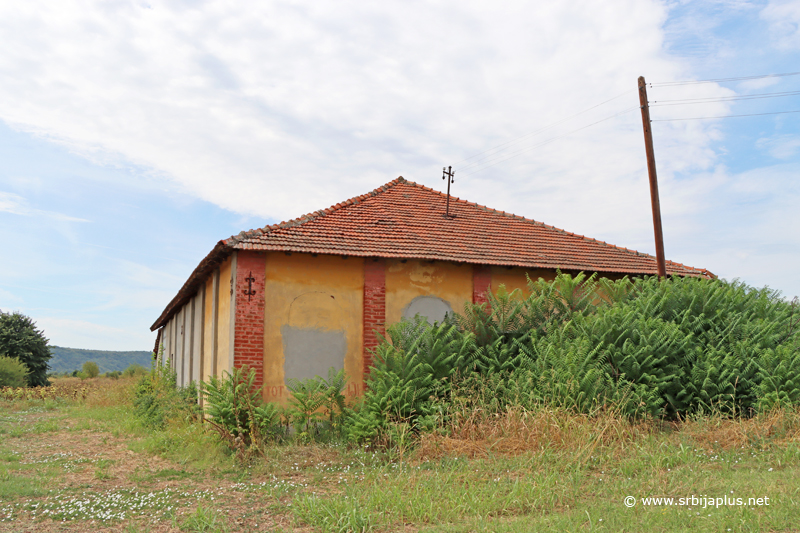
[317, 405]
[411, 378]
[643, 347]
[236, 410]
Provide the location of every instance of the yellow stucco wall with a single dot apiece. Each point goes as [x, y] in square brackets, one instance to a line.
[451, 282]
[224, 317]
[309, 295]
[514, 278]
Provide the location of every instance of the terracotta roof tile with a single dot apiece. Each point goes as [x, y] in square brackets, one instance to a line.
[405, 220]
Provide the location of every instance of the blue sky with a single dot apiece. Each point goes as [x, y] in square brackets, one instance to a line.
[135, 136]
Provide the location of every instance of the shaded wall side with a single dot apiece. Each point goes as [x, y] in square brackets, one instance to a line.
[166, 339]
[248, 344]
[224, 336]
[208, 329]
[179, 340]
[452, 282]
[169, 356]
[515, 277]
[188, 343]
[197, 335]
[310, 299]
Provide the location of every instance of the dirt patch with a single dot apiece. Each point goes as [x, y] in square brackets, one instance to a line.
[92, 474]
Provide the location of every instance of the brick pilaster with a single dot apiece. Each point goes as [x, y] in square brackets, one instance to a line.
[248, 344]
[374, 307]
[481, 283]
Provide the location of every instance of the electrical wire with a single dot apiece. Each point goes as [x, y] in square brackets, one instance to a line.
[497, 149]
[722, 98]
[722, 80]
[548, 141]
[725, 116]
[491, 155]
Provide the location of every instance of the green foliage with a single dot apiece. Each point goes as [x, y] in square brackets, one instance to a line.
[158, 400]
[22, 340]
[312, 399]
[12, 372]
[645, 348]
[90, 369]
[412, 375]
[134, 370]
[238, 413]
[780, 377]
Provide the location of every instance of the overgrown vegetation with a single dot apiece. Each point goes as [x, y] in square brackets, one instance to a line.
[158, 400]
[458, 442]
[643, 349]
[238, 413]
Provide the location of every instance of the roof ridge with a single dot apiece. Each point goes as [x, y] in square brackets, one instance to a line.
[308, 217]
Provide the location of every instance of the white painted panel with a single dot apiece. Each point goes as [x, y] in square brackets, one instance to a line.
[197, 346]
[179, 339]
[188, 338]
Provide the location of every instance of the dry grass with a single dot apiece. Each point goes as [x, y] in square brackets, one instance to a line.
[517, 431]
[777, 427]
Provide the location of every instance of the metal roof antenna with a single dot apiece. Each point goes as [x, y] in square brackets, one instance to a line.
[448, 172]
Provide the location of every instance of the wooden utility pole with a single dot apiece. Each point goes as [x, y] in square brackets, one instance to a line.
[447, 174]
[651, 171]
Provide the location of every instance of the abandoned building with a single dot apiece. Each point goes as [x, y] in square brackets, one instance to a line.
[293, 299]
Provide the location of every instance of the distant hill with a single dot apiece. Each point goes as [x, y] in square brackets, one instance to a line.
[69, 359]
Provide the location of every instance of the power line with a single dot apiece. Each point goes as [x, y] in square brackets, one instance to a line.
[507, 144]
[725, 116]
[548, 141]
[723, 98]
[722, 80]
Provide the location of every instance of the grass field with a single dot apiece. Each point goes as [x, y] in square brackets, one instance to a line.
[80, 464]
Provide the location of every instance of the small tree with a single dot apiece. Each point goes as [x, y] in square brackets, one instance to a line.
[20, 339]
[90, 369]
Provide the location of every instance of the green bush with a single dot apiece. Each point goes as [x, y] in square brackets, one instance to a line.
[317, 405]
[647, 347]
[410, 379]
[158, 400]
[134, 370]
[90, 369]
[13, 373]
[238, 413]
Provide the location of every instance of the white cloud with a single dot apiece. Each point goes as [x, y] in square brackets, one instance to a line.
[749, 227]
[783, 17]
[17, 205]
[780, 146]
[278, 109]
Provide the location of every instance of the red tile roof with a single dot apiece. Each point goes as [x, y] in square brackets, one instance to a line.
[405, 220]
